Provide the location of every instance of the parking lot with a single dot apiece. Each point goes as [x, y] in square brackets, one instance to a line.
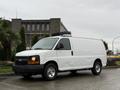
[84, 80]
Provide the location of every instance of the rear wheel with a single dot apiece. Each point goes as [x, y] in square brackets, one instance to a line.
[50, 72]
[97, 68]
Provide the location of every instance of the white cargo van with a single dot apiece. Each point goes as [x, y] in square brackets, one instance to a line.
[59, 53]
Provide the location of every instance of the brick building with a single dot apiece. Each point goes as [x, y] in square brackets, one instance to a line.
[41, 28]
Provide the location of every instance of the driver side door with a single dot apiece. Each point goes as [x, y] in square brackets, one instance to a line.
[64, 54]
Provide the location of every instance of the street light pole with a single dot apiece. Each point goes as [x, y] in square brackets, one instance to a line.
[113, 42]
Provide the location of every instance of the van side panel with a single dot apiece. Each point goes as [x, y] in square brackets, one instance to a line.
[86, 51]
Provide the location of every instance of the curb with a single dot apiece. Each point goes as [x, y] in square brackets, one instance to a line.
[110, 67]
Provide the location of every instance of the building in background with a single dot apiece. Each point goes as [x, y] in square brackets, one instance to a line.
[42, 28]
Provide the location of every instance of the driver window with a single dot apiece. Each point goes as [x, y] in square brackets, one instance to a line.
[64, 44]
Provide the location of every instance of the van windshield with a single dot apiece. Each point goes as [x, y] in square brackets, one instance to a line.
[45, 44]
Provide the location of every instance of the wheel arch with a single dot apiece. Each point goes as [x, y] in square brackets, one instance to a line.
[52, 61]
[98, 60]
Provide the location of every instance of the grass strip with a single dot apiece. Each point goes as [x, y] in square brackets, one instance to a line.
[5, 69]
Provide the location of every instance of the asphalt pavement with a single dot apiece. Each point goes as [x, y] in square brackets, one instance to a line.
[109, 79]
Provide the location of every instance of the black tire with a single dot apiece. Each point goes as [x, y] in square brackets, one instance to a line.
[97, 68]
[50, 72]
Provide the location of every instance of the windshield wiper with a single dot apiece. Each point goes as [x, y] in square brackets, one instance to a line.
[38, 48]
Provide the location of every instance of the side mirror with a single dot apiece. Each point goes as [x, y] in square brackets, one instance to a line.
[59, 46]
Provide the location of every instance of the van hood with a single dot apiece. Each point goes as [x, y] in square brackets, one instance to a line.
[31, 52]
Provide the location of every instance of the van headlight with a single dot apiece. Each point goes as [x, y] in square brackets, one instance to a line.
[34, 60]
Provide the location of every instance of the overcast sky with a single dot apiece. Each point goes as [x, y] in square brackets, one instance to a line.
[84, 18]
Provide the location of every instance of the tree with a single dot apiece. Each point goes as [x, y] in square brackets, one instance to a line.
[35, 39]
[22, 45]
[46, 35]
[7, 37]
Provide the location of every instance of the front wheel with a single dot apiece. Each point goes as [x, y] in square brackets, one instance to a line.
[50, 72]
[97, 68]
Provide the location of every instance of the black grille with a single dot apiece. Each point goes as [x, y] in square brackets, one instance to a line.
[21, 60]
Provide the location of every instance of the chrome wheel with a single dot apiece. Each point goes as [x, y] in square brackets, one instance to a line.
[51, 72]
[98, 68]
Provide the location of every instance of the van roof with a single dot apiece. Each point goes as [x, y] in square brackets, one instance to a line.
[73, 37]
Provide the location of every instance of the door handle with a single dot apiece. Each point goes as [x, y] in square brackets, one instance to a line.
[72, 53]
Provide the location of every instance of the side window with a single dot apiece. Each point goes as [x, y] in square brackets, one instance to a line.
[64, 44]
